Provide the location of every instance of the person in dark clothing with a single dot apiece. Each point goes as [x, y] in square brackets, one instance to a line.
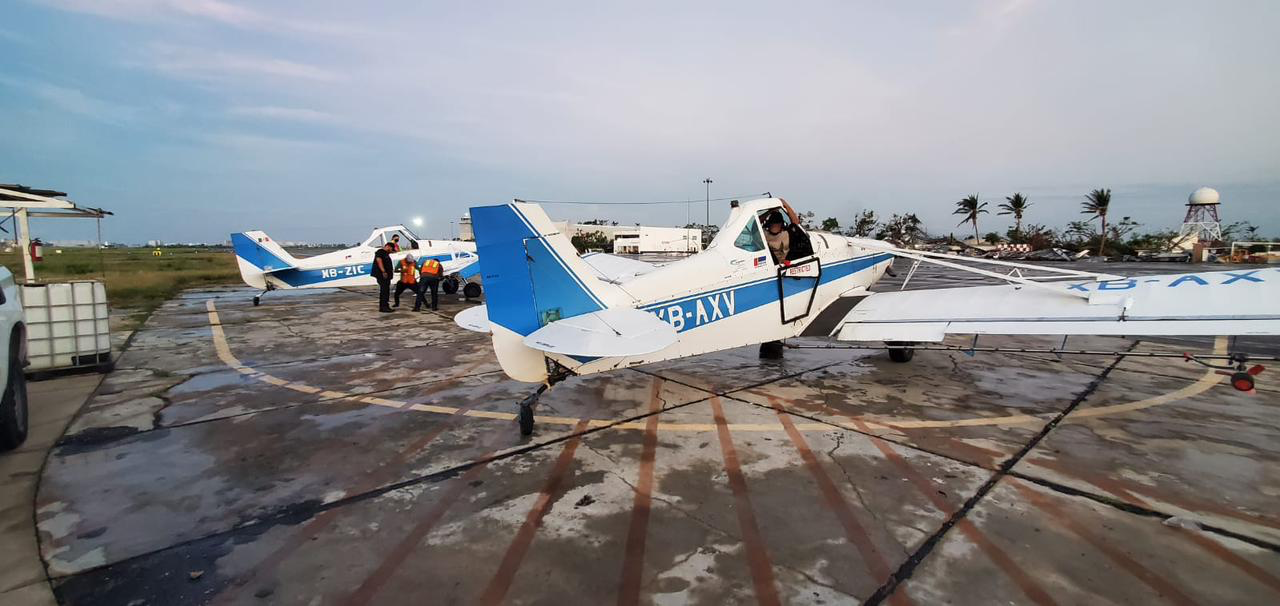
[382, 272]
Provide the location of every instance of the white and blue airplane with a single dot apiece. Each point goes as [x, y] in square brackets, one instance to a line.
[264, 264]
[554, 314]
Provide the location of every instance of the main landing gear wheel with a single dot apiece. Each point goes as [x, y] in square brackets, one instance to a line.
[257, 300]
[900, 352]
[471, 290]
[449, 286]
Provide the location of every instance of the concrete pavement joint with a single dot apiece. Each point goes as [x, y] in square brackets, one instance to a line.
[909, 565]
[1140, 510]
[300, 508]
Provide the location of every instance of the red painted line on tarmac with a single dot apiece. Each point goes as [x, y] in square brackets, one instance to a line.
[853, 529]
[374, 583]
[501, 581]
[969, 529]
[1153, 580]
[1122, 491]
[326, 518]
[757, 556]
[633, 562]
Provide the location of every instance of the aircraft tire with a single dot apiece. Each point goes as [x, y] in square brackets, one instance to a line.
[901, 355]
[257, 301]
[471, 290]
[526, 420]
[449, 286]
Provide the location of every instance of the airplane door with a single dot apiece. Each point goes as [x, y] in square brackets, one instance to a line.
[797, 286]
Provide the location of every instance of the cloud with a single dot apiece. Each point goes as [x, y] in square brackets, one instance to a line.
[215, 11]
[74, 100]
[272, 112]
[198, 64]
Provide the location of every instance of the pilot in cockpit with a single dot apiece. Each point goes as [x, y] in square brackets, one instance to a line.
[786, 242]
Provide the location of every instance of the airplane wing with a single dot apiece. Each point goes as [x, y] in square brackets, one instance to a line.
[1243, 302]
[619, 331]
[615, 269]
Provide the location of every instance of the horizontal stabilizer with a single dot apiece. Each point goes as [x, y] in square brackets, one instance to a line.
[1208, 303]
[613, 332]
[475, 319]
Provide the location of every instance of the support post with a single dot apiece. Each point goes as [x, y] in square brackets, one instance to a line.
[24, 241]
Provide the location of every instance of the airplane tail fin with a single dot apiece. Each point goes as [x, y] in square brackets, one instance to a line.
[258, 255]
[532, 277]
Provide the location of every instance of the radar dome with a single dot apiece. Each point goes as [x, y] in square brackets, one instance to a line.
[1203, 196]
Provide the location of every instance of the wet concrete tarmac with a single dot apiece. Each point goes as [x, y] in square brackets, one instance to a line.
[309, 451]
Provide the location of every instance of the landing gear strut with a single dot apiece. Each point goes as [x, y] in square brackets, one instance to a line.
[257, 299]
[558, 373]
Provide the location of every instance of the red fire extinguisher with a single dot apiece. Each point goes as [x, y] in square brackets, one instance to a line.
[37, 250]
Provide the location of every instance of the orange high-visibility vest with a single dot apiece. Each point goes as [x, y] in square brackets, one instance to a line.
[406, 271]
[431, 268]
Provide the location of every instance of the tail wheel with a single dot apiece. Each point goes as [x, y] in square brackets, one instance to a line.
[1242, 381]
[471, 290]
[13, 406]
[900, 353]
[449, 286]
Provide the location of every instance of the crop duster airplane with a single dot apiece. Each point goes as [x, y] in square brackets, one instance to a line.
[553, 314]
[265, 265]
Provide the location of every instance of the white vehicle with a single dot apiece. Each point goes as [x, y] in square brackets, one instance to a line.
[553, 314]
[13, 404]
[265, 265]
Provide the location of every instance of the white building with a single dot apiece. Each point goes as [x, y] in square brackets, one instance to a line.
[643, 239]
[627, 239]
[637, 239]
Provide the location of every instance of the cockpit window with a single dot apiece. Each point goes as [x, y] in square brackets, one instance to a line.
[750, 240]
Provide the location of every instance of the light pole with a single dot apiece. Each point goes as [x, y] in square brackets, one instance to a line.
[708, 182]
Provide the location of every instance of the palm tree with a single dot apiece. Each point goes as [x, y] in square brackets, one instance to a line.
[1096, 204]
[970, 208]
[1015, 205]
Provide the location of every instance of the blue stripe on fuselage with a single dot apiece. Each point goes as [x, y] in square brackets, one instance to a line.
[707, 307]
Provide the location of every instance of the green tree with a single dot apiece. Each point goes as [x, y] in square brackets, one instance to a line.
[864, 225]
[830, 224]
[595, 240]
[970, 207]
[992, 238]
[1097, 203]
[1015, 205]
[901, 229]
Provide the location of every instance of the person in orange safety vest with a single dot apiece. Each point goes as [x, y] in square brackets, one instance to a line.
[408, 278]
[431, 272]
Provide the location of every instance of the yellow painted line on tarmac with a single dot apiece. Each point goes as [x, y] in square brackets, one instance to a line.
[1205, 383]
[1209, 380]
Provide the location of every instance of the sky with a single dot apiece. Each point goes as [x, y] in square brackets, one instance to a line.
[318, 121]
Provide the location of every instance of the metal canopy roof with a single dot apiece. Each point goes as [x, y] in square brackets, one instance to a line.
[27, 202]
[45, 203]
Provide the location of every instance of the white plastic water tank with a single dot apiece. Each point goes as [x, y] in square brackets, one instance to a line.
[66, 324]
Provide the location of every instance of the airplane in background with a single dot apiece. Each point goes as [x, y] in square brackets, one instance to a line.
[554, 314]
[264, 264]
